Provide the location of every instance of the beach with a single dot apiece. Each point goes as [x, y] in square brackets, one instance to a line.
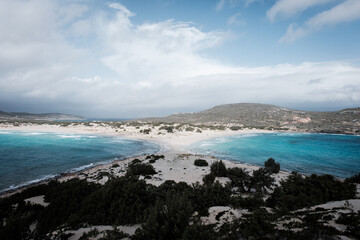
[175, 141]
[177, 164]
[173, 162]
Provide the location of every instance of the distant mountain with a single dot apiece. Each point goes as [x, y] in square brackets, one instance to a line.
[34, 116]
[272, 117]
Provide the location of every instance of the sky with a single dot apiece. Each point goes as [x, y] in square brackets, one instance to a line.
[142, 58]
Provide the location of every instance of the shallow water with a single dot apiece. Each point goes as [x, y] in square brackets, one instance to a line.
[338, 155]
[27, 157]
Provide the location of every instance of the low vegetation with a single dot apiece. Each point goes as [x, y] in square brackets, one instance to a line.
[201, 163]
[174, 210]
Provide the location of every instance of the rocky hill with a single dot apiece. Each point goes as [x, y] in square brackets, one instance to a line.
[33, 116]
[272, 117]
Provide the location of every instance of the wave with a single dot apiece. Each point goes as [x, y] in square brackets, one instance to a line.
[70, 136]
[146, 147]
[207, 144]
[33, 133]
[2, 132]
[245, 135]
[14, 187]
[91, 136]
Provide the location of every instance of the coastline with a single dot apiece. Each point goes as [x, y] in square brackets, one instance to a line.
[172, 145]
[175, 141]
[175, 164]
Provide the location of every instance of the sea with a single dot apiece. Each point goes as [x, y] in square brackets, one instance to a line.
[30, 157]
[306, 153]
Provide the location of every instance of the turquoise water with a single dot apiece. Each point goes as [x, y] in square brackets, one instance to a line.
[338, 155]
[27, 157]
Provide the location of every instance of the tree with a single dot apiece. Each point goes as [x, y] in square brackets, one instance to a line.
[218, 169]
[239, 178]
[271, 166]
[261, 181]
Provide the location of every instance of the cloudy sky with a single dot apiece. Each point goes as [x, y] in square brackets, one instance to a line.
[138, 58]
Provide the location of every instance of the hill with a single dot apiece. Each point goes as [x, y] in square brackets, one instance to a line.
[34, 116]
[272, 117]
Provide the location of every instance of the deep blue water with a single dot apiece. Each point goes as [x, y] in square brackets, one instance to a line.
[27, 157]
[338, 155]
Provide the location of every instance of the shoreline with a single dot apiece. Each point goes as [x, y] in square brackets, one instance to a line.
[171, 144]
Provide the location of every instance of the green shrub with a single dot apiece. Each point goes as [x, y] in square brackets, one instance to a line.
[199, 231]
[145, 131]
[298, 192]
[261, 181]
[114, 235]
[209, 178]
[352, 221]
[169, 129]
[271, 166]
[140, 169]
[90, 234]
[239, 177]
[235, 128]
[354, 179]
[201, 163]
[222, 128]
[252, 202]
[136, 160]
[218, 169]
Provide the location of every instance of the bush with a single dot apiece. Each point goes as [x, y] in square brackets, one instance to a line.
[114, 235]
[169, 129]
[140, 169]
[209, 178]
[252, 202]
[352, 220]
[298, 192]
[218, 169]
[261, 181]
[168, 218]
[199, 231]
[153, 158]
[354, 179]
[136, 160]
[235, 128]
[239, 177]
[146, 131]
[271, 166]
[189, 129]
[201, 163]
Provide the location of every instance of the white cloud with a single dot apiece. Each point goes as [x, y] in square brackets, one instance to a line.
[236, 20]
[221, 4]
[347, 11]
[122, 9]
[289, 8]
[162, 51]
[134, 69]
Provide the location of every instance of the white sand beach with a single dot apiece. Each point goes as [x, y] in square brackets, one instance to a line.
[177, 164]
[175, 141]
